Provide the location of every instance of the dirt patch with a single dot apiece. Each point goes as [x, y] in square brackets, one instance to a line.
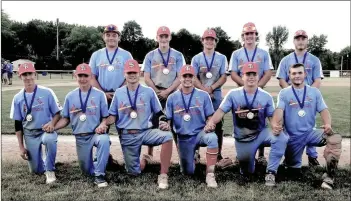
[66, 151]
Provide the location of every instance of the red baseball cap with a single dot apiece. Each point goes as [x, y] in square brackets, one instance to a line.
[131, 66]
[83, 68]
[209, 33]
[249, 27]
[300, 33]
[26, 68]
[111, 28]
[250, 67]
[163, 30]
[187, 69]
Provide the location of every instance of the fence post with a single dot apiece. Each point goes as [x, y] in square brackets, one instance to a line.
[61, 75]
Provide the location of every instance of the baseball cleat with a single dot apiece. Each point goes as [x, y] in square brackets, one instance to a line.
[162, 181]
[100, 181]
[50, 177]
[211, 180]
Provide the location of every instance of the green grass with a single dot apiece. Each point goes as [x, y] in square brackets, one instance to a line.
[18, 184]
[337, 99]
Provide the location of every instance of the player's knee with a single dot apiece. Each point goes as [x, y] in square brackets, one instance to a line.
[49, 138]
[167, 136]
[104, 139]
[333, 147]
[211, 140]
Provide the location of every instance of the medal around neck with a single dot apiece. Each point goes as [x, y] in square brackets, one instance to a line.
[111, 68]
[29, 117]
[83, 117]
[209, 75]
[301, 113]
[250, 115]
[165, 71]
[133, 114]
[187, 117]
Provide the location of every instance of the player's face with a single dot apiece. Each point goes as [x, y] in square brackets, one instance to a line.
[28, 78]
[187, 80]
[111, 39]
[83, 80]
[209, 43]
[250, 79]
[132, 77]
[300, 43]
[249, 38]
[163, 40]
[297, 75]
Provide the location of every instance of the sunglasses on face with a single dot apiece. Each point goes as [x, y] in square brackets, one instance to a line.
[83, 75]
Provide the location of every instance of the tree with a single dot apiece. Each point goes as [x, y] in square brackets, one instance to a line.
[225, 45]
[275, 41]
[316, 45]
[345, 54]
[130, 36]
[187, 43]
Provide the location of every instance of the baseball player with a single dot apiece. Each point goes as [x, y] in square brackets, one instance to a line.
[84, 107]
[251, 106]
[210, 67]
[314, 75]
[189, 108]
[9, 72]
[132, 108]
[161, 67]
[251, 53]
[297, 105]
[36, 110]
[107, 66]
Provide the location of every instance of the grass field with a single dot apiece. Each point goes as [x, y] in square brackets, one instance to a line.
[337, 98]
[17, 184]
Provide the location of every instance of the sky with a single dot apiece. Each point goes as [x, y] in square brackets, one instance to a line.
[329, 18]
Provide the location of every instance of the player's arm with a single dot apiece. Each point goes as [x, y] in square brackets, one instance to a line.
[174, 85]
[236, 78]
[317, 83]
[283, 84]
[219, 82]
[198, 84]
[19, 134]
[63, 122]
[317, 75]
[266, 77]
[95, 83]
[149, 82]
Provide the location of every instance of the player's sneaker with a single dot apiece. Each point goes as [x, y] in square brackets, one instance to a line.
[50, 177]
[100, 181]
[162, 181]
[327, 182]
[313, 162]
[211, 180]
[270, 179]
[262, 160]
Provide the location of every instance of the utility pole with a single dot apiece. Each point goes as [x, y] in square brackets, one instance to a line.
[57, 39]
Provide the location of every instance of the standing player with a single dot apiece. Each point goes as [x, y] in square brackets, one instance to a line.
[314, 75]
[251, 106]
[251, 53]
[161, 67]
[132, 109]
[297, 106]
[107, 66]
[9, 72]
[210, 67]
[189, 108]
[36, 110]
[84, 107]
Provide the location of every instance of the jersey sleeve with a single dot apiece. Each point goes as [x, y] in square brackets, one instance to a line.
[93, 64]
[317, 70]
[113, 110]
[169, 107]
[65, 110]
[281, 100]
[282, 72]
[233, 63]
[208, 106]
[147, 63]
[320, 101]
[103, 105]
[54, 103]
[15, 112]
[227, 103]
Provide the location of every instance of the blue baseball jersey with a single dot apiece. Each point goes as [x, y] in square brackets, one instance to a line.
[147, 104]
[246, 129]
[109, 80]
[44, 107]
[200, 108]
[314, 102]
[9, 68]
[312, 65]
[153, 64]
[96, 110]
[262, 58]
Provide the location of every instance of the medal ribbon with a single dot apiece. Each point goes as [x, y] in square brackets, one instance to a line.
[187, 107]
[84, 106]
[29, 108]
[304, 58]
[297, 98]
[113, 57]
[253, 100]
[209, 66]
[133, 105]
[165, 63]
[253, 56]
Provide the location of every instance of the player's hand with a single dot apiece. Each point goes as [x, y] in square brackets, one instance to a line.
[327, 129]
[210, 127]
[49, 127]
[101, 129]
[164, 126]
[109, 96]
[276, 128]
[209, 90]
[163, 95]
[24, 153]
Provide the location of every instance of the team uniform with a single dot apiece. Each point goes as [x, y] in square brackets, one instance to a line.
[134, 111]
[35, 110]
[189, 113]
[163, 68]
[250, 112]
[85, 111]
